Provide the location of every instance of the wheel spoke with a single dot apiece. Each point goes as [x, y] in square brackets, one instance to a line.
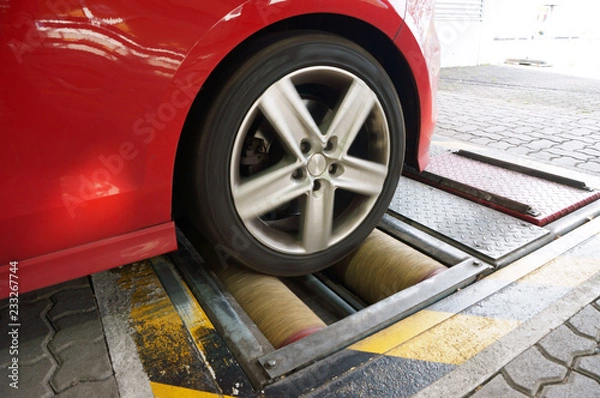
[282, 106]
[361, 176]
[351, 115]
[267, 191]
[317, 219]
[313, 160]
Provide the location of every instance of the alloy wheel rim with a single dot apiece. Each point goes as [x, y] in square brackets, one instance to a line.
[310, 160]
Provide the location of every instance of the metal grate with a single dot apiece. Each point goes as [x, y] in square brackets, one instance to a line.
[483, 230]
[463, 10]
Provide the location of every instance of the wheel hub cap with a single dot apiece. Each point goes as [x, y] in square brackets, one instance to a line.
[317, 164]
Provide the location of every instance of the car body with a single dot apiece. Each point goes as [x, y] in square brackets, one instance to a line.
[95, 96]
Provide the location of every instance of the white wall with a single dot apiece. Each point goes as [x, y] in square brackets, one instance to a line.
[459, 25]
[515, 29]
[461, 42]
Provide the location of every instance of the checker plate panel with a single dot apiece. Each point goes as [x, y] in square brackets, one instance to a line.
[484, 230]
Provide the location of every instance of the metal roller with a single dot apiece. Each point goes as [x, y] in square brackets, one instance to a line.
[279, 314]
[382, 266]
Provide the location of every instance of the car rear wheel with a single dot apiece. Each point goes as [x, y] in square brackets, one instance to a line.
[299, 155]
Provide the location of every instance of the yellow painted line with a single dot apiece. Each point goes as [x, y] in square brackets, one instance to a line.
[198, 325]
[568, 271]
[400, 332]
[166, 391]
[455, 340]
[154, 317]
[194, 316]
[160, 335]
[547, 254]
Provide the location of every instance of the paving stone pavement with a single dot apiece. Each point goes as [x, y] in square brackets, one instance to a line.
[62, 351]
[523, 111]
[565, 363]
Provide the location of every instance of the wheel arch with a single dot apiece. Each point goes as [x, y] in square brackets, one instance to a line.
[376, 42]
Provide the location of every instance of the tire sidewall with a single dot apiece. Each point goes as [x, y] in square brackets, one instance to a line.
[217, 214]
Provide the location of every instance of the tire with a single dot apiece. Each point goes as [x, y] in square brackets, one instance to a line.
[299, 155]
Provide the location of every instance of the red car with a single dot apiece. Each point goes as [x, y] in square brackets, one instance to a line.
[278, 128]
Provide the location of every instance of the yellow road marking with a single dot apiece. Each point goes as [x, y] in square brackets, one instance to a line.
[400, 332]
[154, 317]
[194, 316]
[553, 251]
[166, 391]
[160, 335]
[456, 340]
[198, 325]
[568, 271]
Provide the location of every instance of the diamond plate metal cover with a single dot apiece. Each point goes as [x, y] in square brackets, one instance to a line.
[484, 230]
[550, 200]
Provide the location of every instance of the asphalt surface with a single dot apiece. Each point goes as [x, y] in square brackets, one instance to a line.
[536, 113]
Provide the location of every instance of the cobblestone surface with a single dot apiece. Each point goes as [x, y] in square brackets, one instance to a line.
[542, 370]
[562, 345]
[523, 111]
[530, 370]
[498, 387]
[586, 323]
[576, 385]
[589, 366]
[62, 351]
